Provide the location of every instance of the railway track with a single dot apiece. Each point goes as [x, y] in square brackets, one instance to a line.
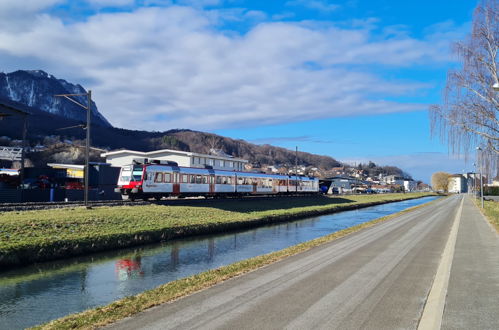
[29, 206]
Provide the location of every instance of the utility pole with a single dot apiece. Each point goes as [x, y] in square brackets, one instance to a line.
[481, 172]
[87, 144]
[87, 147]
[296, 169]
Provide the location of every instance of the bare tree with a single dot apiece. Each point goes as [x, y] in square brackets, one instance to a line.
[468, 116]
[440, 181]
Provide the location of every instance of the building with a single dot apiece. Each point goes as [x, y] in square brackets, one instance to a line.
[457, 184]
[120, 158]
[393, 179]
[410, 185]
[341, 184]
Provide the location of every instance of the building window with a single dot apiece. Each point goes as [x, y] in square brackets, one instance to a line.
[222, 163]
[230, 164]
[210, 161]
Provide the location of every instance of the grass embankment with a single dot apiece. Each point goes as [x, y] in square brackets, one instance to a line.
[32, 236]
[491, 210]
[132, 305]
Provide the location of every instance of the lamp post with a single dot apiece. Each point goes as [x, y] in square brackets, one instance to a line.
[481, 176]
[87, 144]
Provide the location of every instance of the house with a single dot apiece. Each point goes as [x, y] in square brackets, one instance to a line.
[120, 158]
[410, 185]
[342, 184]
[394, 179]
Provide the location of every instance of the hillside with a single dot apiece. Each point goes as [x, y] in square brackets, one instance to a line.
[45, 129]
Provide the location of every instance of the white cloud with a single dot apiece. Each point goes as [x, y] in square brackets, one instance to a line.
[111, 3]
[320, 5]
[161, 68]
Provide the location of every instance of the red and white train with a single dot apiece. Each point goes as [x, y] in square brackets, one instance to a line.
[157, 180]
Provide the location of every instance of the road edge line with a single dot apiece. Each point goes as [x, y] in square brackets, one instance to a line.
[433, 311]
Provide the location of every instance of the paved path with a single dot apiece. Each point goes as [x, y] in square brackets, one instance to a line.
[473, 293]
[378, 278]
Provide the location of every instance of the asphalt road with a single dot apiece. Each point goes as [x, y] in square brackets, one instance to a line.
[378, 278]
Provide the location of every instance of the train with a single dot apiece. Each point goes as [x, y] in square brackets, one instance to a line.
[158, 179]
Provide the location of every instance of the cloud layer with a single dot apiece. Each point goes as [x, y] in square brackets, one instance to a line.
[158, 67]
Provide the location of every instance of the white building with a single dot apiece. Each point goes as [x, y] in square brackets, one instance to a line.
[410, 185]
[457, 184]
[182, 158]
[393, 179]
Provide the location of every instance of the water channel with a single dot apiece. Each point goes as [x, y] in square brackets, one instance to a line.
[39, 293]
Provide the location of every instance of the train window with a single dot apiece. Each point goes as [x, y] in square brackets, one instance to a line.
[204, 179]
[219, 180]
[193, 179]
[229, 180]
[158, 177]
[185, 178]
[168, 178]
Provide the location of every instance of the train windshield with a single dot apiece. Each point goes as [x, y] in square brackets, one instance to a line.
[129, 173]
[137, 173]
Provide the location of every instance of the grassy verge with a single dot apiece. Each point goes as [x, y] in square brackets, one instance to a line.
[129, 306]
[491, 211]
[32, 236]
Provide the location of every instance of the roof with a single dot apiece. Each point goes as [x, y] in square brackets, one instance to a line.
[150, 154]
[75, 166]
[12, 108]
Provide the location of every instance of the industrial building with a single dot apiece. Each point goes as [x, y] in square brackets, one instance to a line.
[119, 158]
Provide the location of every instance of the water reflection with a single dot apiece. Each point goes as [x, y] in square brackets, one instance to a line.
[129, 268]
[36, 294]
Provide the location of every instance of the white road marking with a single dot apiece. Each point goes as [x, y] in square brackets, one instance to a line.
[434, 308]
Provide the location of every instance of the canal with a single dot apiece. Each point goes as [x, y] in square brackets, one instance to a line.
[39, 293]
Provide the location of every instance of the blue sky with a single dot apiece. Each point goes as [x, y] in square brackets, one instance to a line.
[348, 79]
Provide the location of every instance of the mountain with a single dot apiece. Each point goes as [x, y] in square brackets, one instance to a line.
[37, 88]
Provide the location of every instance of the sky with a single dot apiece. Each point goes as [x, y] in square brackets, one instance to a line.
[348, 79]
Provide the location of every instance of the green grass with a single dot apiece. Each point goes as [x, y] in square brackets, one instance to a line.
[129, 306]
[491, 210]
[31, 236]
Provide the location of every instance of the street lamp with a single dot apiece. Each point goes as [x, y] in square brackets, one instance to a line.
[87, 147]
[481, 176]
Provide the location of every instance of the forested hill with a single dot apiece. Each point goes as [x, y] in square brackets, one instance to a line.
[45, 129]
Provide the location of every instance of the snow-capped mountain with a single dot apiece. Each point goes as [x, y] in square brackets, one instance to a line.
[37, 89]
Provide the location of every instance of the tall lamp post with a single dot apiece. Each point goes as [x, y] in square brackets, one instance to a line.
[481, 175]
[87, 144]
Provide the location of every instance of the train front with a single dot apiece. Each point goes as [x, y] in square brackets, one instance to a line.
[130, 181]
